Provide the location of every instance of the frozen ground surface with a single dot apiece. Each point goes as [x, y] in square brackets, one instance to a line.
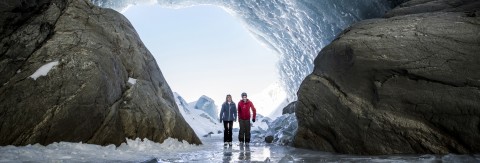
[212, 150]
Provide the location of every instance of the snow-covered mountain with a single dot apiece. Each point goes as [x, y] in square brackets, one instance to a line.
[282, 128]
[201, 122]
[182, 104]
[271, 100]
[207, 105]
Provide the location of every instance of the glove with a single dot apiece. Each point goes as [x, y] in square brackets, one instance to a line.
[253, 120]
[234, 120]
[220, 121]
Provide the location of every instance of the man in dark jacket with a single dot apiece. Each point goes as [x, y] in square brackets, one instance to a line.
[228, 115]
[244, 107]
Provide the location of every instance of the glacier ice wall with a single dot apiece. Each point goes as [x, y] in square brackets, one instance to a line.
[297, 30]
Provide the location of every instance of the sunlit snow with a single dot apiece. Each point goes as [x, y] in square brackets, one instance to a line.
[133, 150]
[132, 81]
[43, 71]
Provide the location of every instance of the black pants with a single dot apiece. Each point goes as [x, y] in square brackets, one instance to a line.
[244, 135]
[227, 133]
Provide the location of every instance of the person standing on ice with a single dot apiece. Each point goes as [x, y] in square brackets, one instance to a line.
[228, 115]
[244, 107]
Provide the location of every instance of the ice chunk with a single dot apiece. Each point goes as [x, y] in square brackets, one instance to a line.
[283, 129]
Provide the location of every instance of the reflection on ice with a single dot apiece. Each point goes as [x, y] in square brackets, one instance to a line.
[260, 152]
[227, 154]
[212, 150]
[266, 152]
[245, 153]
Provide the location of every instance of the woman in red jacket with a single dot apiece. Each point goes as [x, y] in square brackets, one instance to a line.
[244, 107]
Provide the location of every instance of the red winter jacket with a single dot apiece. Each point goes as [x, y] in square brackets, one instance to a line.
[244, 110]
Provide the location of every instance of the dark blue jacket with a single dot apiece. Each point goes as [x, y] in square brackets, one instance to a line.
[228, 112]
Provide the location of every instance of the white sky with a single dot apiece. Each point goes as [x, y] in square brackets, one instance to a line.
[203, 50]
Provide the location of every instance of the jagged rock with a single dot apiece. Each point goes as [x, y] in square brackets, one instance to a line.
[290, 108]
[407, 84]
[106, 86]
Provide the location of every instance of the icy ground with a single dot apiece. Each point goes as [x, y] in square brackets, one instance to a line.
[212, 150]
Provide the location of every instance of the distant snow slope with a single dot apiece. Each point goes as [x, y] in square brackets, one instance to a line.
[270, 100]
[201, 122]
[207, 105]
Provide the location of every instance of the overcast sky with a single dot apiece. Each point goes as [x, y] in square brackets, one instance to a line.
[203, 50]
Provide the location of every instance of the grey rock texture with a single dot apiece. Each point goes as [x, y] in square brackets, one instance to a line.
[290, 108]
[406, 84]
[86, 97]
[425, 6]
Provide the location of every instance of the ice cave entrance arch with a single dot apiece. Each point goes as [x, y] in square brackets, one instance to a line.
[204, 50]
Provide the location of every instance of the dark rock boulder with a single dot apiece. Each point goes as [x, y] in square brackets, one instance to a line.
[407, 84]
[290, 108]
[103, 86]
[269, 139]
[424, 6]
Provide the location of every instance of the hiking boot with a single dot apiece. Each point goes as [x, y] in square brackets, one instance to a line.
[225, 144]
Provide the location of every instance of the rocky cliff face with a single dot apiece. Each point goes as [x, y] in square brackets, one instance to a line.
[406, 84]
[104, 87]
